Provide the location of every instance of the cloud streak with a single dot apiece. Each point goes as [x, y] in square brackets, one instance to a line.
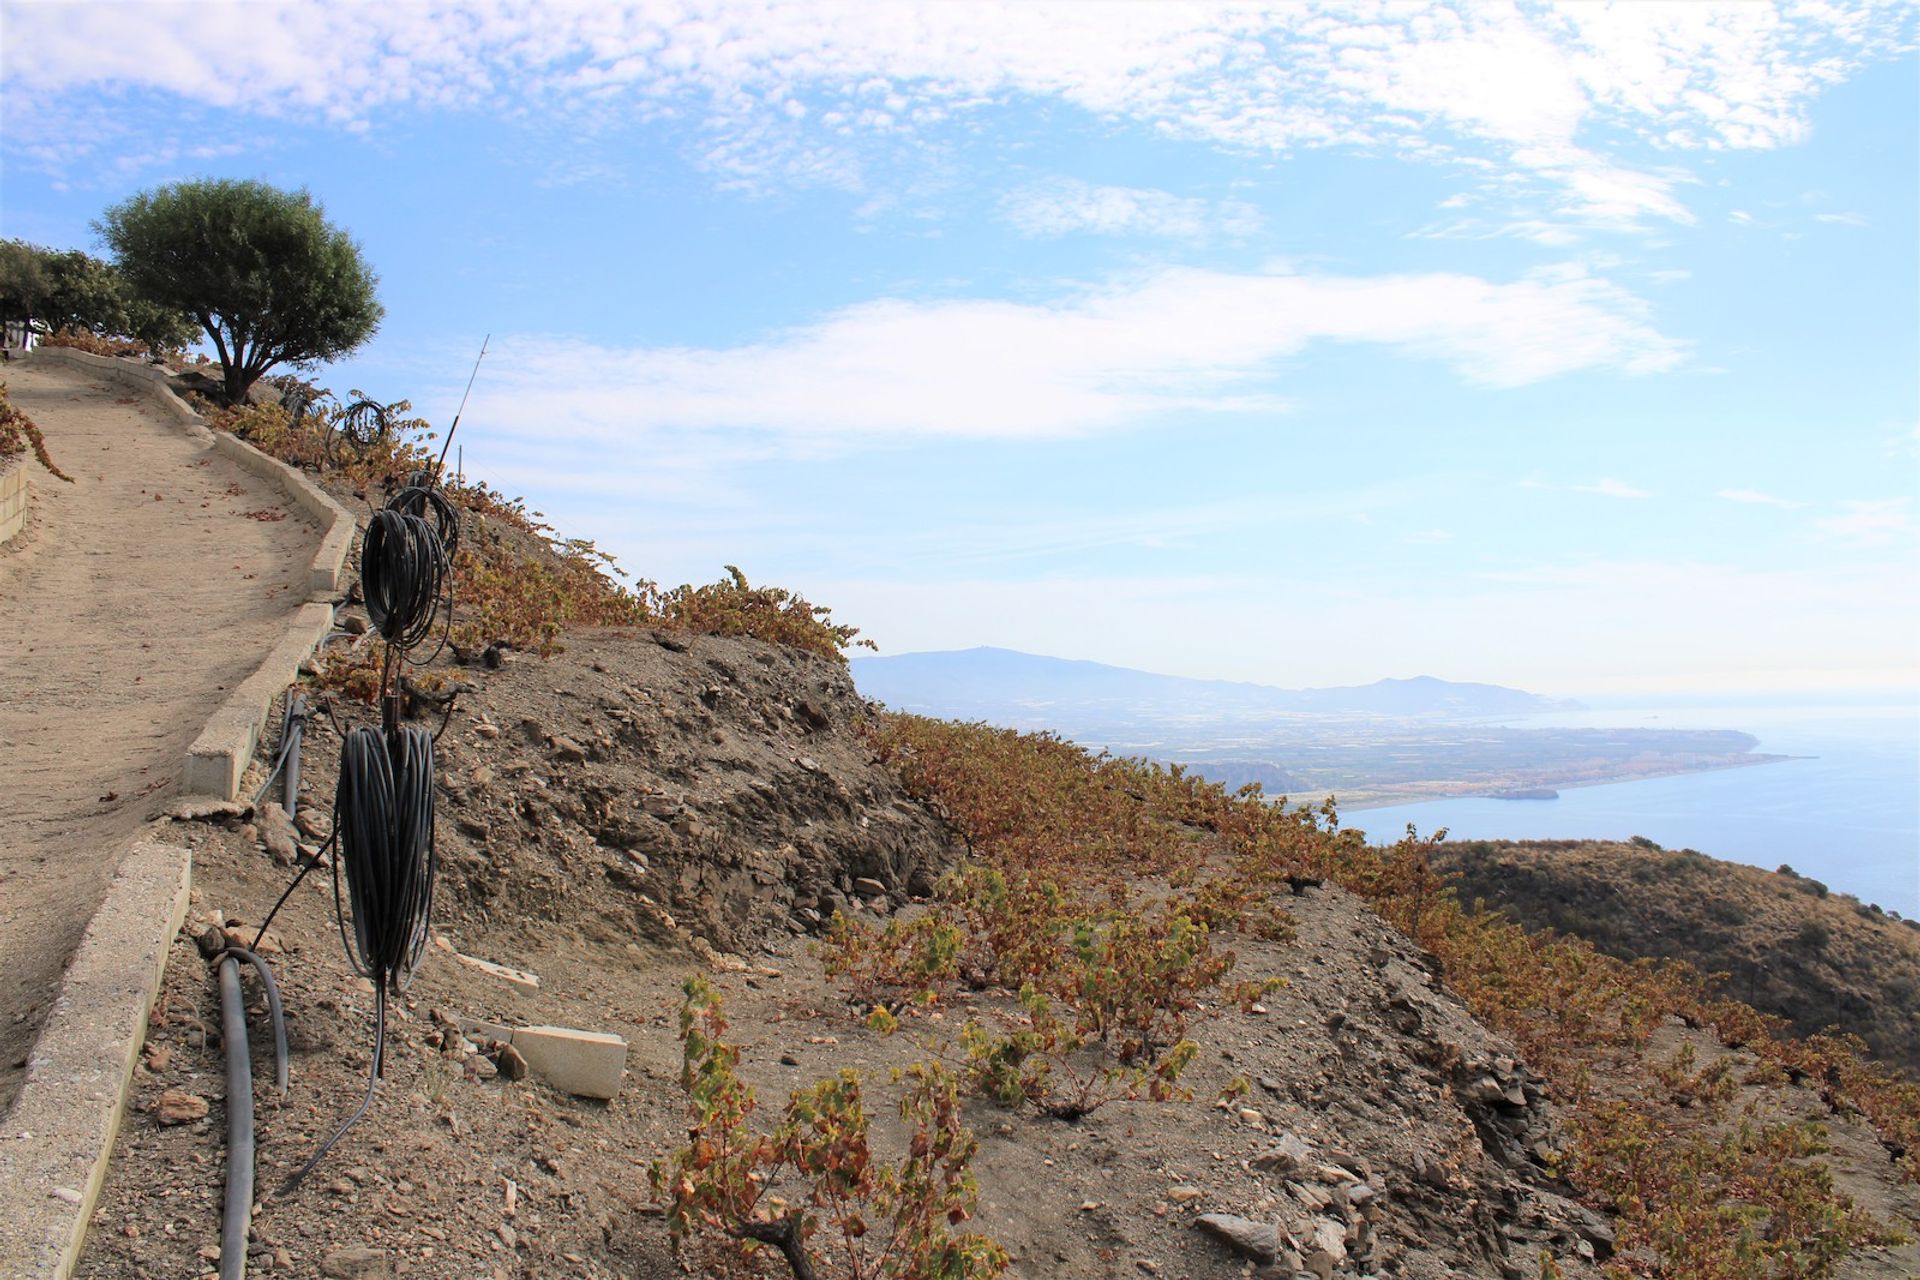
[1064, 206]
[1610, 488]
[1753, 497]
[1177, 340]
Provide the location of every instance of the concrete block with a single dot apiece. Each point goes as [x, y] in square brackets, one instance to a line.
[586, 1063]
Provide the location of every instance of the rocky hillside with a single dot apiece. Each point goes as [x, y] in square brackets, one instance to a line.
[1787, 945]
[909, 998]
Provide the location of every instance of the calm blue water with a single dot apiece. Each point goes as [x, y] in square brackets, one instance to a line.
[1849, 816]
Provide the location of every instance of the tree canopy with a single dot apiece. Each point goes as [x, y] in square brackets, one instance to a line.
[68, 289]
[268, 278]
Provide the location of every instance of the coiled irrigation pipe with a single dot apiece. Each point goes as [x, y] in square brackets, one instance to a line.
[383, 830]
[403, 573]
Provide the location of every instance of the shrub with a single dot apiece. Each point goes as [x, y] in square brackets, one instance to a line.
[851, 1215]
[18, 433]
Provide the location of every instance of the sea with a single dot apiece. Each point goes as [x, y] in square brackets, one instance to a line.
[1844, 810]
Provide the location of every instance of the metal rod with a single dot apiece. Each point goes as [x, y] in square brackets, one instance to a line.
[237, 1218]
[448, 443]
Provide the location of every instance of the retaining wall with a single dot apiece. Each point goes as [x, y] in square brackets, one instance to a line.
[13, 496]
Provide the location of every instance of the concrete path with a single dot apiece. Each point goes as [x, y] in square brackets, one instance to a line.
[133, 600]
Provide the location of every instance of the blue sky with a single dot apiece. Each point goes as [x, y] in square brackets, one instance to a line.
[1565, 346]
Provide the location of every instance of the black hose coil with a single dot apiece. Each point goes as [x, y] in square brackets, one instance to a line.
[383, 812]
[403, 570]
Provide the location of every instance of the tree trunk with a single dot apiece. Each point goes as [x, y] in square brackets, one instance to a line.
[784, 1235]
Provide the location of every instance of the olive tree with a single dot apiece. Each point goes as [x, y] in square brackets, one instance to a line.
[261, 270]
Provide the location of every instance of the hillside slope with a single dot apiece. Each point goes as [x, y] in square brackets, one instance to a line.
[1788, 946]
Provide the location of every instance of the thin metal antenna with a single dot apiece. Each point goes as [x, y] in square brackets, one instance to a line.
[448, 443]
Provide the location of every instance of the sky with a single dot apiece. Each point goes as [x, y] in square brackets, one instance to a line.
[1567, 346]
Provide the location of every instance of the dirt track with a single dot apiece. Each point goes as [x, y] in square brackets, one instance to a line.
[132, 601]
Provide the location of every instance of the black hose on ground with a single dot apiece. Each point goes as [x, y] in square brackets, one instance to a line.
[237, 1214]
[237, 1217]
[286, 760]
[295, 729]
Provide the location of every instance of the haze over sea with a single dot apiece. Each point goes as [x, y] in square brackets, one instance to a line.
[1845, 811]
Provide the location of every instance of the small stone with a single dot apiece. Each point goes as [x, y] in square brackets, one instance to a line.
[1184, 1194]
[211, 1252]
[131, 1231]
[1250, 1116]
[65, 1194]
[159, 1057]
[177, 1106]
[868, 887]
[567, 749]
[357, 1262]
[487, 729]
[282, 1260]
[508, 1059]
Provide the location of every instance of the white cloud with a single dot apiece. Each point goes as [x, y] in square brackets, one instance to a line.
[1753, 497]
[1610, 488]
[1171, 340]
[1843, 219]
[1063, 206]
[1870, 522]
[797, 89]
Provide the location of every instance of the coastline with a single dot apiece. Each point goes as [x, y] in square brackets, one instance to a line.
[1395, 799]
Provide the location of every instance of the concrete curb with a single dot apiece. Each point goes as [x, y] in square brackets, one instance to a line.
[61, 1131]
[13, 497]
[220, 754]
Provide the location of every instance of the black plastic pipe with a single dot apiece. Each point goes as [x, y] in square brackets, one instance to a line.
[292, 732]
[238, 1215]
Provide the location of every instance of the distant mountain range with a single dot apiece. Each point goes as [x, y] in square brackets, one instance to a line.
[1024, 690]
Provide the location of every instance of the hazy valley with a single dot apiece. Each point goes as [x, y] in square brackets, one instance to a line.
[1387, 742]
